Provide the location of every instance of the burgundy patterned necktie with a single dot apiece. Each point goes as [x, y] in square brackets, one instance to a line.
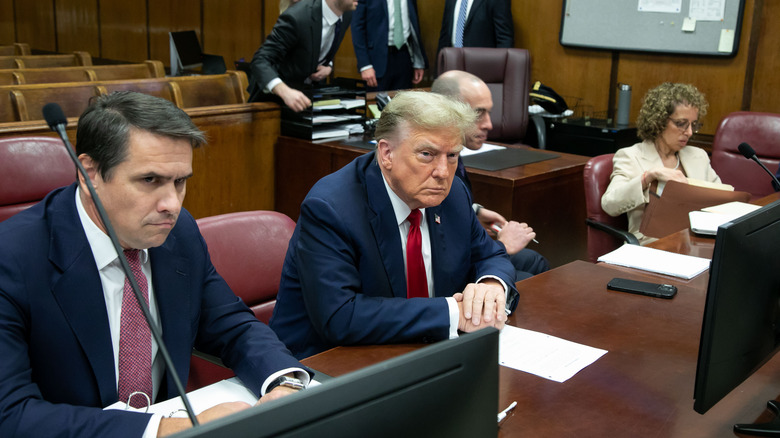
[416, 280]
[135, 339]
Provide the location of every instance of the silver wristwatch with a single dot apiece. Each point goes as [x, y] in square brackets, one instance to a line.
[289, 382]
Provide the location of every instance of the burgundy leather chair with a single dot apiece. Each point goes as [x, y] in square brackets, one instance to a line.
[31, 167]
[247, 249]
[507, 73]
[605, 233]
[759, 130]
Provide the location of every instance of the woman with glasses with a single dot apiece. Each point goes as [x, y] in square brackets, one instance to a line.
[668, 118]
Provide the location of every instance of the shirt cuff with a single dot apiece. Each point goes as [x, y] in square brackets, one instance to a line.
[153, 426]
[300, 374]
[274, 82]
[452, 305]
[366, 68]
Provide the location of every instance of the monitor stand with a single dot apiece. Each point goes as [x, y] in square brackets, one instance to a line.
[771, 428]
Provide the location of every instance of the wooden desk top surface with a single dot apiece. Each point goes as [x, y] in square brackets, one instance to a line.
[643, 386]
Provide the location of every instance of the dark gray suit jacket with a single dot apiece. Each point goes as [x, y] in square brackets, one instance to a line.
[489, 24]
[291, 51]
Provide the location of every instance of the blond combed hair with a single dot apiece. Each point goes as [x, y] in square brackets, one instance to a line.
[423, 111]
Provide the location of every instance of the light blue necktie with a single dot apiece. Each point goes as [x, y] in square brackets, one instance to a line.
[461, 23]
[398, 25]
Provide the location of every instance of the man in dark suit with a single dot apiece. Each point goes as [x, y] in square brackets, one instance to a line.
[388, 44]
[71, 338]
[487, 23]
[360, 271]
[299, 51]
[514, 236]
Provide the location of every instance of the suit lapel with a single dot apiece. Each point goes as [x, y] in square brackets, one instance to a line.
[316, 32]
[385, 228]
[172, 282]
[474, 8]
[436, 225]
[78, 291]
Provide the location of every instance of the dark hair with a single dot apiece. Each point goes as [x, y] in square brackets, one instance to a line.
[104, 128]
[661, 102]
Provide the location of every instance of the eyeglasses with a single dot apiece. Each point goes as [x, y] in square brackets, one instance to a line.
[683, 124]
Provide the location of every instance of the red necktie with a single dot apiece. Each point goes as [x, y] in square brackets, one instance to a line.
[416, 281]
[135, 339]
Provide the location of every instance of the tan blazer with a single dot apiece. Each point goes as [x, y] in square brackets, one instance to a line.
[625, 194]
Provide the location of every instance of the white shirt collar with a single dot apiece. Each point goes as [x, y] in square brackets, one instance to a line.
[102, 248]
[328, 15]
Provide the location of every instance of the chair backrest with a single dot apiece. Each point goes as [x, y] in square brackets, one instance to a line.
[31, 167]
[596, 178]
[507, 73]
[759, 130]
[248, 249]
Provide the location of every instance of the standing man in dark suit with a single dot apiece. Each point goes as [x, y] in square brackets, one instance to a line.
[388, 44]
[477, 23]
[72, 339]
[299, 51]
[387, 249]
[514, 236]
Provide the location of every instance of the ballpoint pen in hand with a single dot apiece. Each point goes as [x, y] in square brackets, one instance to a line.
[496, 228]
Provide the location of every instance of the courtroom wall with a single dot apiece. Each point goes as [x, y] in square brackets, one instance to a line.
[135, 30]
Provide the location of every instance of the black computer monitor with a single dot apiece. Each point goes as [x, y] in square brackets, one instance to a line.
[185, 52]
[447, 389]
[740, 330]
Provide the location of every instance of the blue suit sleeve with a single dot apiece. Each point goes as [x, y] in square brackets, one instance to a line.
[345, 301]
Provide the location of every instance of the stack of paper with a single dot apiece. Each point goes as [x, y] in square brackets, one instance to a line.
[655, 260]
[709, 219]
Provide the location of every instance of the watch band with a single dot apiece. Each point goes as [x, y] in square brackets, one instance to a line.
[289, 382]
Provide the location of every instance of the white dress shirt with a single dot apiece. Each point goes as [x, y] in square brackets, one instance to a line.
[112, 278]
[455, 18]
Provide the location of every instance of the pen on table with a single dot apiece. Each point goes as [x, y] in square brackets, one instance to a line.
[496, 228]
[502, 414]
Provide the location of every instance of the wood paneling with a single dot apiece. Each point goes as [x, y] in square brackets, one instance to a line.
[35, 24]
[581, 76]
[123, 30]
[7, 25]
[720, 79]
[766, 83]
[76, 26]
[235, 29]
[232, 28]
[167, 16]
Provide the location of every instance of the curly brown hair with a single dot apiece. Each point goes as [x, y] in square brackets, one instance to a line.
[660, 103]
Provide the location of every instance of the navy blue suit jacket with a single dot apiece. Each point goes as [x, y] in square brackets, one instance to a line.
[344, 281]
[489, 24]
[370, 32]
[56, 356]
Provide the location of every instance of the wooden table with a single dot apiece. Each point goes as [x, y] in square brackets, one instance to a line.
[642, 387]
[548, 195]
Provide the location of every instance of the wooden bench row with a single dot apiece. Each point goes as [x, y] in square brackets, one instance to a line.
[42, 61]
[15, 49]
[233, 172]
[20, 103]
[88, 73]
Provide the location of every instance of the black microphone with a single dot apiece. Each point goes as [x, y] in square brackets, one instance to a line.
[747, 151]
[57, 122]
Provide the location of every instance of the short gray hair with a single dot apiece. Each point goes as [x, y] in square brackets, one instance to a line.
[424, 111]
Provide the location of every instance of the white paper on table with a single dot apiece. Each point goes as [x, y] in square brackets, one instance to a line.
[544, 355]
[655, 260]
[486, 147]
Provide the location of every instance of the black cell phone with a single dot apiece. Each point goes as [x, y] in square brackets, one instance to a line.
[642, 287]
